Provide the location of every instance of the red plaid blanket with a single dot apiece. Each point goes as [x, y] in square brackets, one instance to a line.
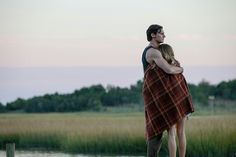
[166, 100]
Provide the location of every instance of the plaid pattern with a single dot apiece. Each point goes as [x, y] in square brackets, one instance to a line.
[166, 100]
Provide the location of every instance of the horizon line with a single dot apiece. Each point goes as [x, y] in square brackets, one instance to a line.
[108, 66]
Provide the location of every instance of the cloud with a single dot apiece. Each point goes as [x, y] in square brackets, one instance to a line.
[190, 37]
[230, 37]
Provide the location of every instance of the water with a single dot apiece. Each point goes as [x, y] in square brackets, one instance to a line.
[51, 154]
[38, 154]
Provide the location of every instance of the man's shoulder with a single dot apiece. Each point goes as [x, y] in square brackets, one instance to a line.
[149, 49]
[153, 50]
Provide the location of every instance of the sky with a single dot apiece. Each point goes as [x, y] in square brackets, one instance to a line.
[68, 33]
[49, 46]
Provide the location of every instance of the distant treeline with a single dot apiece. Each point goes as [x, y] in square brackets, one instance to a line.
[97, 97]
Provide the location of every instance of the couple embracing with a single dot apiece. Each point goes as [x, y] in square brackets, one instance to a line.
[167, 100]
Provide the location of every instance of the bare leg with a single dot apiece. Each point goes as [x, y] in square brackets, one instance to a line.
[172, 142]
[181, 137]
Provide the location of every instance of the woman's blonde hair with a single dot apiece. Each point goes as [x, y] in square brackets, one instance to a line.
[167, 53]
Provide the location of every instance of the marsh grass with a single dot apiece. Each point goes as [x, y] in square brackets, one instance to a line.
[117, 133]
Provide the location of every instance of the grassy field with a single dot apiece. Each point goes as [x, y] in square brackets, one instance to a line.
[113, 133]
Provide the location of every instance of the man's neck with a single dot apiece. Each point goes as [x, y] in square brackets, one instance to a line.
[154, 44]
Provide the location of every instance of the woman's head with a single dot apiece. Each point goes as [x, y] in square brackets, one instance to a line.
[167, 53]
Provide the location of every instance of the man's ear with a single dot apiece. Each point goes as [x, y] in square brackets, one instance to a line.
[153, 35]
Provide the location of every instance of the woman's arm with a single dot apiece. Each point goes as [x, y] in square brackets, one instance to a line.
[155, 55]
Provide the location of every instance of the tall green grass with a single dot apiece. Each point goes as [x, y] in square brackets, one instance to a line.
[212, 136]
[117, 133]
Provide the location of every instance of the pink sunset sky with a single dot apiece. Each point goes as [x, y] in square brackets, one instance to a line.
[67, 33]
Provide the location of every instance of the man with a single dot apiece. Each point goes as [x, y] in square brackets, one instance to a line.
[151, 54]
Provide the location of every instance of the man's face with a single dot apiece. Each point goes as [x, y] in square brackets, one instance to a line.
[159, 37]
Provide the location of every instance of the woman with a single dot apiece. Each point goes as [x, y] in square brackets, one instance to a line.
[168, 54]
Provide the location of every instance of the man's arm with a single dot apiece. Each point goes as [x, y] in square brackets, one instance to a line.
[155, 55]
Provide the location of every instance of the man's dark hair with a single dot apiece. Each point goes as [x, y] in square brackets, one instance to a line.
[153, 29]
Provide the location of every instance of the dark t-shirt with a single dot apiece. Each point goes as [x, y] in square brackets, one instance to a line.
[144, 61]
